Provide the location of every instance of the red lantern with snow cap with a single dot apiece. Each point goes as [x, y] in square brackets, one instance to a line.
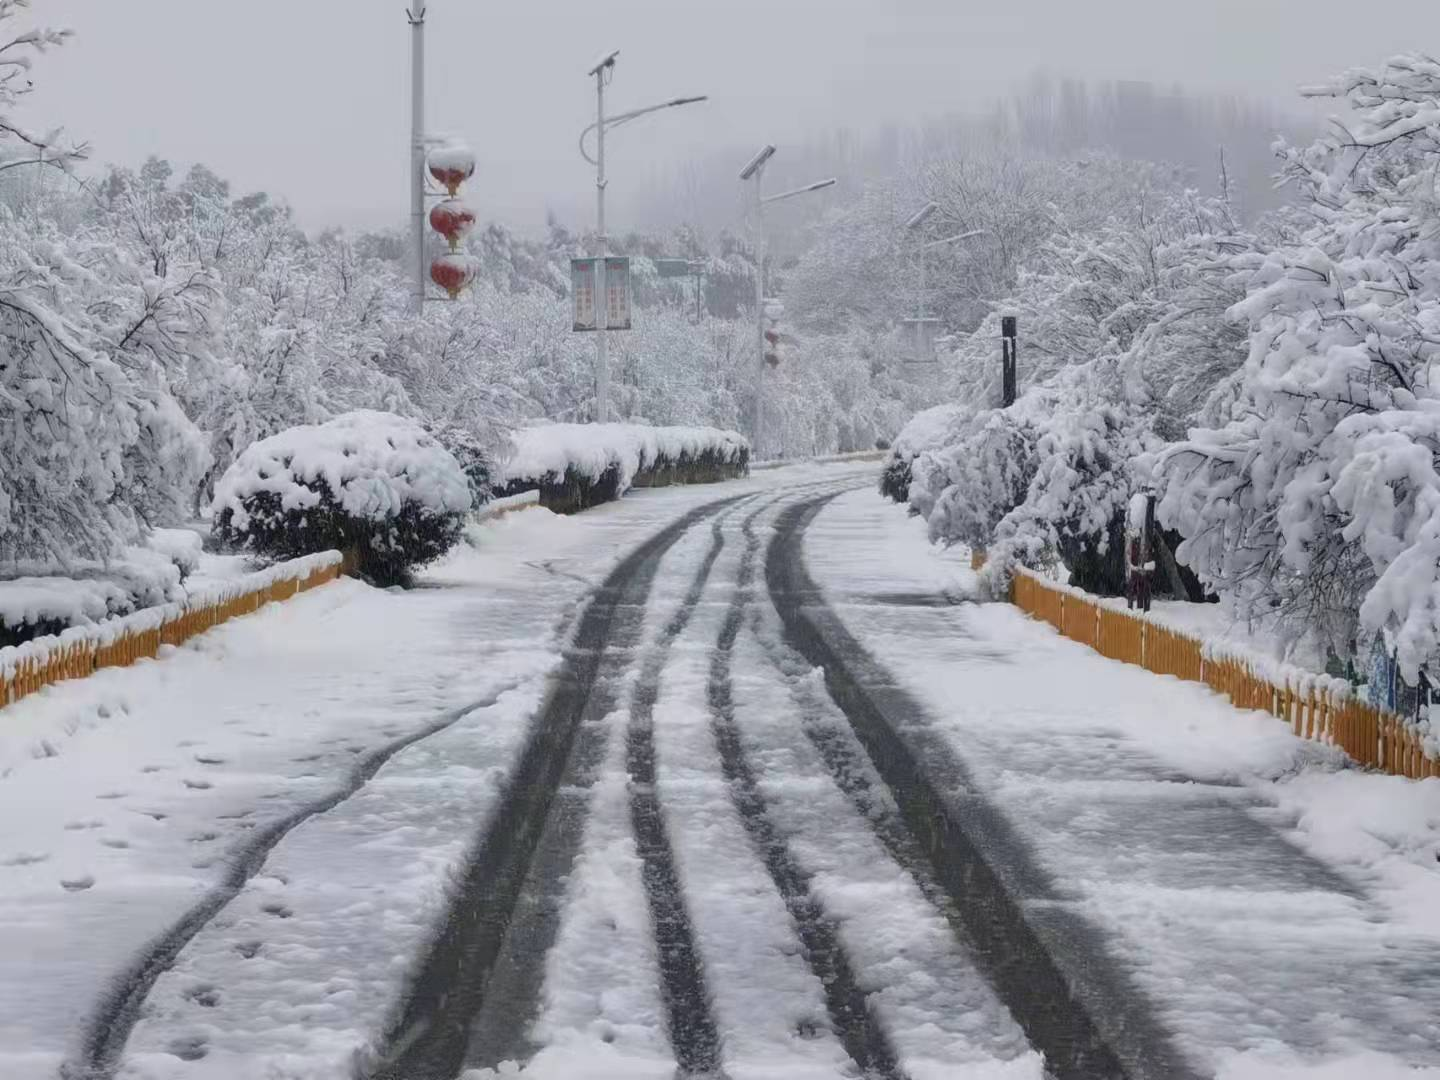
[453, 273]
[453, 220]
[452, 166]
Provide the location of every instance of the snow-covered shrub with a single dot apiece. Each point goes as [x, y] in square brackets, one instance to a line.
[475, 456]
[373, 483]
[927, 430]
[1315, 497]
[965, 490]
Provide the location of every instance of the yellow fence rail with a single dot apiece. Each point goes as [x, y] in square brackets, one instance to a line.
[118, 642]
[1314, 706]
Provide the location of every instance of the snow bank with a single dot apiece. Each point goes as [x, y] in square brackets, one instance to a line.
[373, 463]
[36, 654]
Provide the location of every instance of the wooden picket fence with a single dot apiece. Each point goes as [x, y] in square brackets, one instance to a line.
[122, 641]
[1313, 706]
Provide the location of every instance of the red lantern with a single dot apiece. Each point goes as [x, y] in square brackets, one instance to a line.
[453, 220]
[453, 273]
[452, 166]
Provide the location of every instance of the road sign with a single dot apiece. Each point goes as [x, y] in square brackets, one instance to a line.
[584, 293]
[675, 267]
[921, 332]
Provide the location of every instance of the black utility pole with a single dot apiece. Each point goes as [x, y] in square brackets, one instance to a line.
[1007, 360]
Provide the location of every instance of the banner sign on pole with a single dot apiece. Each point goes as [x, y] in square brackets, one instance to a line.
[617, 293]
[583, 273]
[582, 288]
[674, 267]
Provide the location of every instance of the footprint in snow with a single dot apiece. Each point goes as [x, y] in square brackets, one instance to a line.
[115, 842]
[203, 837]
[205, 995]
[203, 760]
[190, 1048]
[112, 795]
[26, 858]
[248, 949]
[280, 911]
[79, 884]
[88, 823]
[153, 769]
[198, 785]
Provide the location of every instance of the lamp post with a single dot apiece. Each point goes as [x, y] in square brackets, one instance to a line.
[755, 170]
[602, 72]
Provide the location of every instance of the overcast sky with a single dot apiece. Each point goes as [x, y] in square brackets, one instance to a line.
[308, 99]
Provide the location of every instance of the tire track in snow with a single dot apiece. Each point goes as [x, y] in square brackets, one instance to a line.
[1086, 1017]
[449, 995]
[103, 1040]
[693, 1035]
[859, 1030]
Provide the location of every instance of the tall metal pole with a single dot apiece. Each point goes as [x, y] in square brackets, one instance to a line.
[417, 148]
[757, 419]
[602, 355]
[924, 307]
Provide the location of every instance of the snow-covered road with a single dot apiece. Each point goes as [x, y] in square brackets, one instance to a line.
[730, 778]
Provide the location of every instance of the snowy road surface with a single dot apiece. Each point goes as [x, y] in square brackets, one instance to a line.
[736, 779]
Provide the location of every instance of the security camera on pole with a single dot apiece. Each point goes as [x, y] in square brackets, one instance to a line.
[600, 287]
[755, 171]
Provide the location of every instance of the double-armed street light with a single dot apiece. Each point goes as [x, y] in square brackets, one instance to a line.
[755, 170]
[602, 72]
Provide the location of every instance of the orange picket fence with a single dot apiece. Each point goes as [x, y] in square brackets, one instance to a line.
[1315, 707]
[118, 642]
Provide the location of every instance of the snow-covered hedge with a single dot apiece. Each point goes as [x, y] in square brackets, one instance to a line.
[38, 598]
[578, 465]
[369, 482]
[36, 654]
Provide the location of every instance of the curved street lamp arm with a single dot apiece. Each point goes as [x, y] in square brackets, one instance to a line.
[957, 236]
[799, 191]
[633, 114]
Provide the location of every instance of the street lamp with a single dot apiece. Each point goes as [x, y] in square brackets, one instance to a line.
[922, 318]
[755, 170]
[602, 72]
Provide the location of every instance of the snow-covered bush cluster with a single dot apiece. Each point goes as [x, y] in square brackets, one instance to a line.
[369, 482]
[1271, 383]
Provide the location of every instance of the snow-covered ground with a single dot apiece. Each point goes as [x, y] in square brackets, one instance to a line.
[126, 797]
[309, 780]
[1281, 909]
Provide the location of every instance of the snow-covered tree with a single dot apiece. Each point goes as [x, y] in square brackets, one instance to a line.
[96, 447]
[1319, 497]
